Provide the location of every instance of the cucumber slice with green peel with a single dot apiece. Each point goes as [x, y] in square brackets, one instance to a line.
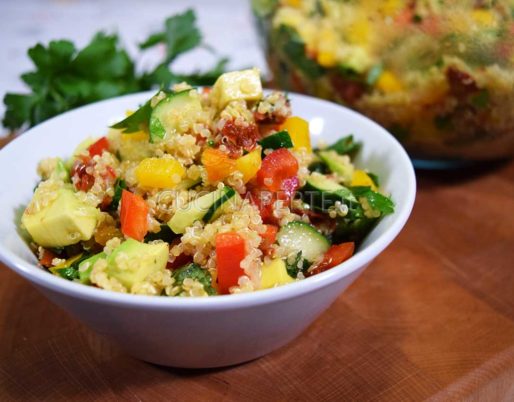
[338, 164]
[300, 236]
[207, 208]
[322, 193]
[173, 112]
[282, 139]
[216, 209]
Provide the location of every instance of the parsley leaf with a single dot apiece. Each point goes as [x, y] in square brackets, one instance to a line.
[346, 146]
[377, 201]
[65, 77]
[197, 273]
[136, 121]
[119, 186]
[299, 264]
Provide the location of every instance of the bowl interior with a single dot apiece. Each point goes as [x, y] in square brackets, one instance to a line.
[381, 154]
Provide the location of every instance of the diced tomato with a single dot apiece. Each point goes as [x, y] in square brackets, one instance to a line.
[83, 180]
[179, 261]
[276, 168]
[263, 200]
[239, 137]
[268, 237]
[230, 251]
[99, 147]
[106, 201]
[46, 258]
[335, 255]
[133, 215]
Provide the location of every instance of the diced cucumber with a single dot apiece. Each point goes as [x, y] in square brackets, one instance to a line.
[174, 112]
[216, 209]
[322, 192]
[282, 139]
[300, 236]
[206, 208]
[338, 164]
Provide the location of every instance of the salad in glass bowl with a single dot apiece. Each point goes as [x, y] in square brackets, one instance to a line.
[439, 75]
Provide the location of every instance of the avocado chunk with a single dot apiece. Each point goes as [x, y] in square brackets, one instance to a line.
[64, 221]
[339, 164]
[86, 266]
[237, 85]
[132, 262]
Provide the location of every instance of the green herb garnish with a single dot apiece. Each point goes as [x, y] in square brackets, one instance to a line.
[66, 77]
[376, 201]
[346, 146]
[197, 273]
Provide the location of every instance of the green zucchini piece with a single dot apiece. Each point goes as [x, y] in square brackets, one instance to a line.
[207, 208]
[300, 236]
[282, 139]
[174, 112]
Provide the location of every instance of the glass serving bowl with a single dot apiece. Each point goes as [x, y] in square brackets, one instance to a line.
[437, 74]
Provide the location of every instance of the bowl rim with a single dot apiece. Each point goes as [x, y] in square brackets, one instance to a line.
[38, 276]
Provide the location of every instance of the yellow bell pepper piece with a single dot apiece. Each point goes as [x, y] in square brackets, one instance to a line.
[483, 17]
[274, 274]
[65, 264]
[359, 32]
[249, 164]
[159, 172]
[389, 83]
[298, 129]
[292, 3]
[361, 178]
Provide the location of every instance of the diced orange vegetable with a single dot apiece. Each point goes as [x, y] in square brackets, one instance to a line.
[298, 129]
[334, 256]
[98, 147]
[133, 216]
[230, 251]
[159, 172]
[249, 164]
[218, 164]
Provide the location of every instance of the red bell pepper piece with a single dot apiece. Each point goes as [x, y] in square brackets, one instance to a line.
[98, 147]
[277, 168]
[335, 255]
[268, 237]
[133, 216]
[230, 251]
[46, 258]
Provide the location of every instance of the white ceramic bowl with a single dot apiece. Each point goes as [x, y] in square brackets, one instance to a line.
[198, 332]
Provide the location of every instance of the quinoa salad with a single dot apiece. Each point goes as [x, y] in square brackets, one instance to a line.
[203, 192]
[437, 74]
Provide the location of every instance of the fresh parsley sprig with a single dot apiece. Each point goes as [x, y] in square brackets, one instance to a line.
[66, 77]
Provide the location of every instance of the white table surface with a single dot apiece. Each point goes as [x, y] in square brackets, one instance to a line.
[226, 25]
